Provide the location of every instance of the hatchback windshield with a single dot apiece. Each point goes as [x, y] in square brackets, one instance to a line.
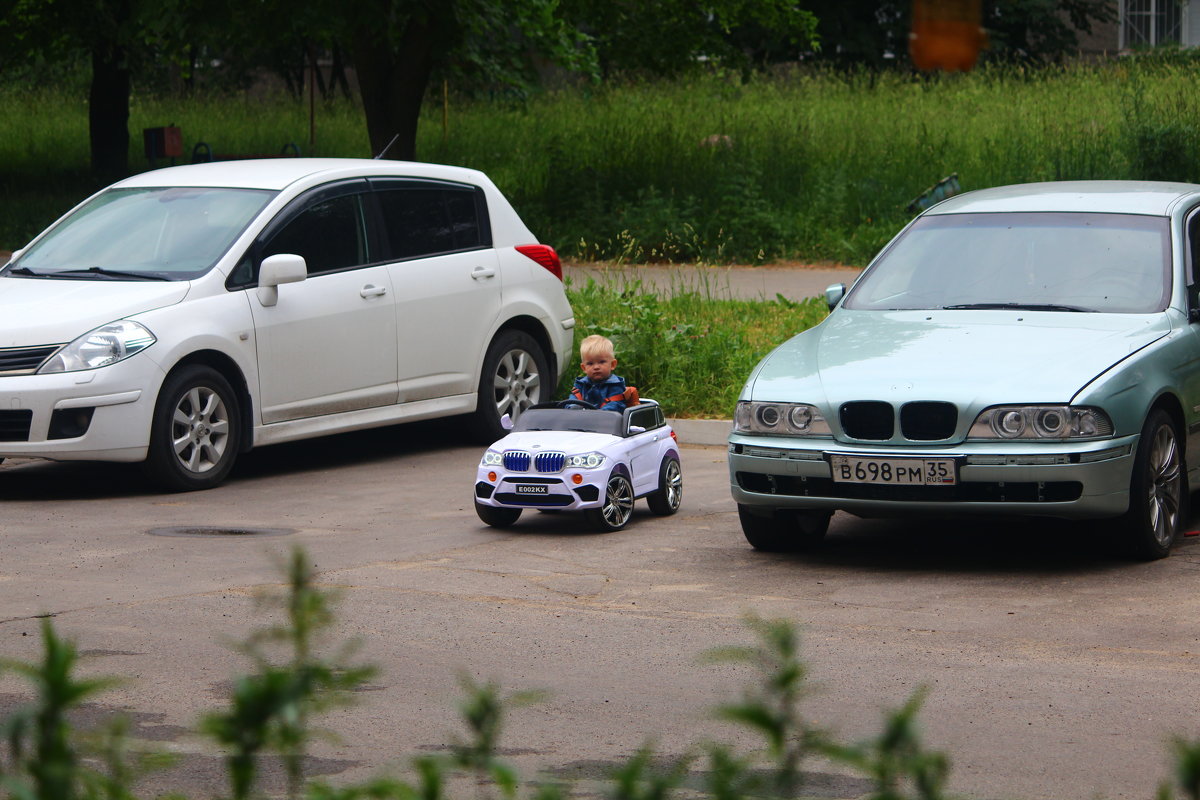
[156, 233]
[1035, 261]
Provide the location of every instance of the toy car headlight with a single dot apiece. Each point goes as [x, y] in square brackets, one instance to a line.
[492, 459]
[585, 460]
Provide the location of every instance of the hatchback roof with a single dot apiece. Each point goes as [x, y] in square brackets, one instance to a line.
[1121, 197]
[278, 173]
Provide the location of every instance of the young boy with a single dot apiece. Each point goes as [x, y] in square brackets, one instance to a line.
[598, 385]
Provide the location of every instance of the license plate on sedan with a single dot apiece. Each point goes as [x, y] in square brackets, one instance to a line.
[894, 471]
[531, 488]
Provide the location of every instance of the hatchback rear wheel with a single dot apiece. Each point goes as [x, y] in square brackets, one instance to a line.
[515, 376]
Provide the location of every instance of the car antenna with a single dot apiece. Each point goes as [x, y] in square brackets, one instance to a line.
[383, 152]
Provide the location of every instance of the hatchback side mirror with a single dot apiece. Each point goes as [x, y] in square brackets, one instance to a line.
[283, 268]
[834, 294]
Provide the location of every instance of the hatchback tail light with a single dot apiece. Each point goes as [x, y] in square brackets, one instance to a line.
[543, 254]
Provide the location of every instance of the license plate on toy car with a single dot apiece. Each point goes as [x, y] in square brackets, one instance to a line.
[531, 488]
[894, 471]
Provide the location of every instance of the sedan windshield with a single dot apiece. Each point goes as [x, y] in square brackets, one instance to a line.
[1023, 261]
[144, 234]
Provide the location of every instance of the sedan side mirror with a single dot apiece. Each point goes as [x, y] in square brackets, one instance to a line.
[834, 294]
[283, 268]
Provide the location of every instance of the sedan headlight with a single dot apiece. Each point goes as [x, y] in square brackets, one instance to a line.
[492, 459]
[106, 345]
[585, 460]
[785, 419]
[1041, 422]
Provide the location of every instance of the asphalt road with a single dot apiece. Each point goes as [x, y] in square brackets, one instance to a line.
[1053, 670]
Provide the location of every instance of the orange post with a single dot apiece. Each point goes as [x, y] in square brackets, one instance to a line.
[946, 34]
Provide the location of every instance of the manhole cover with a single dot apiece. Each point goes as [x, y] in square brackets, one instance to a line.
[219, 531]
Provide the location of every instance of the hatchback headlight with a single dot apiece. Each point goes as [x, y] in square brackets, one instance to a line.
[106, 345]
[1041, 422]
[785, 419]
[585, 460]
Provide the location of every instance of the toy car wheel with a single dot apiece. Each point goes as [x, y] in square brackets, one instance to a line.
[665, 501]
[618, 505]
[515, 376]
[497, 517]
[783, 531]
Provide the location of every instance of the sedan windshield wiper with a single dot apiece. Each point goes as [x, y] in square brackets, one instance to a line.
[112, 273]
[1013, 307]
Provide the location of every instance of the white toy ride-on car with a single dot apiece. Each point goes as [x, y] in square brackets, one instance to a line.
[571, 456]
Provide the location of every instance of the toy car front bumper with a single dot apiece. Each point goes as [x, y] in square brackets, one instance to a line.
[573, 490]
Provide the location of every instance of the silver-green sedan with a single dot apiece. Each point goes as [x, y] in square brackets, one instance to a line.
[1027, 350]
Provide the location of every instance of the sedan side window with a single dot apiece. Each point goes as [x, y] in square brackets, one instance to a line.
[426, 220]
[329, 235]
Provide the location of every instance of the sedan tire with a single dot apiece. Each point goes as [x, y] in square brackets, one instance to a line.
[196, 432]
[783, 531]
[1158, 491]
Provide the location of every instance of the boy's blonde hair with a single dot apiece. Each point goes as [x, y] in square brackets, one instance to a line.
[595, 346]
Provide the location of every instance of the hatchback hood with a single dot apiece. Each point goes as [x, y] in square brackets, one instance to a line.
[955, 356]
[41, 311]
[569, 442]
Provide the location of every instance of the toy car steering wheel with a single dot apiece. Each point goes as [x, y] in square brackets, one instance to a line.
[572, 402]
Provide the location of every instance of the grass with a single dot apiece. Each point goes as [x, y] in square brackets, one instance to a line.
[690, 349]
[811, 165]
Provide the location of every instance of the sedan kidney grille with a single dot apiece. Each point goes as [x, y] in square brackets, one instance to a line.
[868, 419]
[928, 421]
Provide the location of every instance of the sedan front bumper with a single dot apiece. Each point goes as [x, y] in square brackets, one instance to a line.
[1077, 480]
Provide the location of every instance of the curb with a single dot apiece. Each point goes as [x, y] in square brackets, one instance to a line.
[707, 432]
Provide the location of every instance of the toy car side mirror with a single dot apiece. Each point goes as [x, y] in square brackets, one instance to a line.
[506, 422]
[636, 429]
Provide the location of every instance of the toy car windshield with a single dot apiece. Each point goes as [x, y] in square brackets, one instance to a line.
[569, 419]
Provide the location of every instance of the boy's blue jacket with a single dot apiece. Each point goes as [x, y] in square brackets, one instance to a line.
[609, 395]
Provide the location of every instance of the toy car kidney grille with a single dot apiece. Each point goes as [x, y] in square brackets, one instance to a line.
[520, 461]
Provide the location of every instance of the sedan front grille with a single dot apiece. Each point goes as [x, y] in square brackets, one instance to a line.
[24, 360]
[929, 421]
[868, 419]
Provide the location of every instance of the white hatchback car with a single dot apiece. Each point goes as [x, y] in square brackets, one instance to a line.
[185, 315]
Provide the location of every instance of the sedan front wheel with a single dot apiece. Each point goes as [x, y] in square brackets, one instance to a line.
[1157, 490]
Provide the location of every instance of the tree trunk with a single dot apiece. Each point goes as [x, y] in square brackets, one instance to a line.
[392, 81]
[108, 113]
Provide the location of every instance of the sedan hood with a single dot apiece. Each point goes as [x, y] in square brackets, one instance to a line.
[952, 355]
[41, 311]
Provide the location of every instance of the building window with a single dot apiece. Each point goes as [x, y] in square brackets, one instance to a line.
[1149, 23]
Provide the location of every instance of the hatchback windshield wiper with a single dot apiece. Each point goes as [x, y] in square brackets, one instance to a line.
[1013, 307]
[24, 271]
[112, 273]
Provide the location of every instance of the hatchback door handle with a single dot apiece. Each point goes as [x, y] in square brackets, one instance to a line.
[483, 272]
[371, 290]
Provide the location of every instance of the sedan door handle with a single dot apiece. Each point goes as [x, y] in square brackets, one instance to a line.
[371, 290]
[483, 272]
